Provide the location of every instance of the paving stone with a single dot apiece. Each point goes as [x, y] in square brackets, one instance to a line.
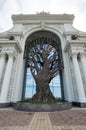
[60, 120]
[69, 117]
[15, 118]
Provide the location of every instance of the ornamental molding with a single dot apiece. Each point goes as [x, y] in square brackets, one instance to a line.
[12, 54]
[28, 27]
[16, 33]
[76, 42]
[9, 50]
[11, 43]
[36, 18]
[80, 48]
[83, 53]
[43, 13]
[2, 53]
[77, 50]
[42, 24]
[69, 33]
[60, 27]
[75, 45]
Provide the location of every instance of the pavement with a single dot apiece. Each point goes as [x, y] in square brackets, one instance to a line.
[73, 119]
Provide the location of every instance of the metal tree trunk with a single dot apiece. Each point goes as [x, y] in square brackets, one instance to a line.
[43, 92]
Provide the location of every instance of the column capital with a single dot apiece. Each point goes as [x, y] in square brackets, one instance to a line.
[2, 53]
[11, 54]
[83, 53]
[74, 54]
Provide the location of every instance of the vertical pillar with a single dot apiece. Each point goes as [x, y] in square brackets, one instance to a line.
[6, 81]
[2, 62]
[83, 61]
[79, 82]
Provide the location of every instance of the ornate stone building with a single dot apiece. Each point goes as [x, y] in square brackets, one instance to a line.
[57, 29]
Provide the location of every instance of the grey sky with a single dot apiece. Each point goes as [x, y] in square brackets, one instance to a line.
[9, 7]
[2, 3]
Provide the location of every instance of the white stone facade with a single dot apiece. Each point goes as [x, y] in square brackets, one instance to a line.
[12, 51]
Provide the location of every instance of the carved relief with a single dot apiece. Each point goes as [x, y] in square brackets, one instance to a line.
[26, 27]
[9, 50]
[42, 25]
[60, 27]
[43, 13]
[75, 50]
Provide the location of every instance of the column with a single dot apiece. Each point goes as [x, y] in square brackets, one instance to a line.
[6, 81]
[83, 61]
[2, 62]
[78, 77]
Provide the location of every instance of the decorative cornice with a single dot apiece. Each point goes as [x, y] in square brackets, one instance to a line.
[81, 44]
[49, 18]
[76, 42]
[15, 33]
[83, 34]
[12, 43]
[70, 33]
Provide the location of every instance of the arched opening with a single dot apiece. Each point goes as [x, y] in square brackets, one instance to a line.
[37, 45]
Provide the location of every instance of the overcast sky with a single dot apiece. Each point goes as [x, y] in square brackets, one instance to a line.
[10, 7]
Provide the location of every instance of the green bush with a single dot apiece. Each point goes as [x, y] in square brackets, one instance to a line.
[29, 100]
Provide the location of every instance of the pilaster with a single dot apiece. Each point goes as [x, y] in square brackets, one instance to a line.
[83, 62]
[2, 62]
[78, 77]
[7, 76]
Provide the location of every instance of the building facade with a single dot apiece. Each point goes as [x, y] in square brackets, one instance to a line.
[12, 50]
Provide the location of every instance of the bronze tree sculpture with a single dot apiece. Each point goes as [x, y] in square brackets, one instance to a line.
[44, 66]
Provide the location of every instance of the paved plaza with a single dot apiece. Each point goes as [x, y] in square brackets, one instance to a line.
[73, 119]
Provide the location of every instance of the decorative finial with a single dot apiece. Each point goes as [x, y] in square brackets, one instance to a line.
[43, 13]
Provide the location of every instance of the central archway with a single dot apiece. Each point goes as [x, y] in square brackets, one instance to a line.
[42, 39]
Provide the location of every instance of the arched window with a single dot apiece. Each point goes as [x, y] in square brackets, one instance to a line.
[43, 66]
